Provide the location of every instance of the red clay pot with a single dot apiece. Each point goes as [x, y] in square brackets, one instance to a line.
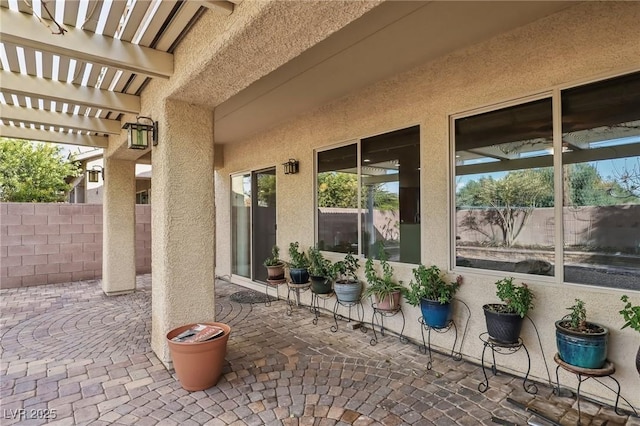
[198, 365]
[390, 302]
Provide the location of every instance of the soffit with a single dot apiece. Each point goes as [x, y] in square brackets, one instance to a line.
[74, 87]
[394, 37]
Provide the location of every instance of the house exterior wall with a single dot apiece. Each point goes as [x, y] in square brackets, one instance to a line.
[585, 42]
[47, 243]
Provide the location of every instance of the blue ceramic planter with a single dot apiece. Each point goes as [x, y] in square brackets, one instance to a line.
[299, 275]
[586, 350]
[435, 314]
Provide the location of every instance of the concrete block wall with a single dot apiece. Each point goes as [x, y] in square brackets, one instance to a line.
[47, 243]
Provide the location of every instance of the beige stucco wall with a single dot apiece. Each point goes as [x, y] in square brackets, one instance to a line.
[584, 42]
[210, 65]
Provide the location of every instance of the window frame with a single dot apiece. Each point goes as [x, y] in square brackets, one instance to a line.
[554, 93]
[358, 142]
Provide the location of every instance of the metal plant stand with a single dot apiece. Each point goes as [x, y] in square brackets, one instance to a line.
[272, 284]
[349, 305]
[584, 374]
[426, 346]
[505, 349]
[315, 303]
[378, 317]
[295, 289]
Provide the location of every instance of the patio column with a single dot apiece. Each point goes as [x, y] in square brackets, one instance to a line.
[182, 222]
[119, 227]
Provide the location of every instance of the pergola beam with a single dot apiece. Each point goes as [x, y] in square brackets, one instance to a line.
[35, 87]
[219, 5]
[55, 137]
[57, 119]
[25, 30]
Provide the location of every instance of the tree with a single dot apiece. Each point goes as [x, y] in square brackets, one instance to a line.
[511, 200]
[339, 189]
[34, 172]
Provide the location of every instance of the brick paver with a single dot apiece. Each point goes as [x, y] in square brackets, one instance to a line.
[71, 355]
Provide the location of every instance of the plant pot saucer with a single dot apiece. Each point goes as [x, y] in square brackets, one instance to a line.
[606, 370]
[276, 282]
[303, 285]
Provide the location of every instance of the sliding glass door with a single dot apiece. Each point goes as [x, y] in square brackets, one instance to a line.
[253, 222]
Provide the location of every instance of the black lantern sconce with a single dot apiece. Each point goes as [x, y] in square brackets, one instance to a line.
[94, 172]
[291, 167]
[140, 135]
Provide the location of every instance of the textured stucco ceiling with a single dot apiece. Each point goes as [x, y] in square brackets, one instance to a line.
[389, 39]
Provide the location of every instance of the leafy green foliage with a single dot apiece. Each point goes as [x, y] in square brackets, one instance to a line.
[336, 189]
[578, 316]
[318, 265]
[266, 190]
[519, 299]
[430, 283]
[34, 172]
[339, 189]
[346, 270]
[298, 258]
[381, 285]
[275, 257]
[631, 314]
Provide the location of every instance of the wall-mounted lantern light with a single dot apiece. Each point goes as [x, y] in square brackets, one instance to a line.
[291, 167]
[140, 135]
[94, 172]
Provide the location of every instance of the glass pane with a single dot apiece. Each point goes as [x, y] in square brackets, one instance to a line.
[337, 188]
[241, 225]
[601, 166]
[504, 189]
[390, 178]
[264, 220]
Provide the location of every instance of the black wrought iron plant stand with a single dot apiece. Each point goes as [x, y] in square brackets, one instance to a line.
[505, 349]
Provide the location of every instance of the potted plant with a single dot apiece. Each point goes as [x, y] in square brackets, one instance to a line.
[347, 286]
[581, 343]
[504, 320]
[433, 293]
[385, 290]
[275, 267]
[298, 264]
[631, 315]
[320, 272]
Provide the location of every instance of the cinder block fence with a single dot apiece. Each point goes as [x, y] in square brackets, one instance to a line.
[47, 243]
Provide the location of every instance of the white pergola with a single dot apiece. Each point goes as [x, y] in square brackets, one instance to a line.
[71, 69]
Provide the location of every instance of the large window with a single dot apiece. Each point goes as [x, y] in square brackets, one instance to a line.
[373, 203]
[519, 211]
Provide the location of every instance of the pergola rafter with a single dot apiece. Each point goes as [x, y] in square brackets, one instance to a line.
[87, 77]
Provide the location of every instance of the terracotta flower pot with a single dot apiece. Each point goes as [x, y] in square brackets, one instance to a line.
[390, 302]
[198, 365]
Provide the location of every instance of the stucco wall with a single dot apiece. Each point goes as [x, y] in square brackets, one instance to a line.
[43, 243]
[584, 42]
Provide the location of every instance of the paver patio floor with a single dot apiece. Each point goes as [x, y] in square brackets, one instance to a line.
[74, 355]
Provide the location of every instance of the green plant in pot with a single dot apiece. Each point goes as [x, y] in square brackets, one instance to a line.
[581, 343]
[504, 320]
[347, 286]
[320, 272]
[431, 290]
[298, 264]
[275, 266]
[631, 316]
[383, 287]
